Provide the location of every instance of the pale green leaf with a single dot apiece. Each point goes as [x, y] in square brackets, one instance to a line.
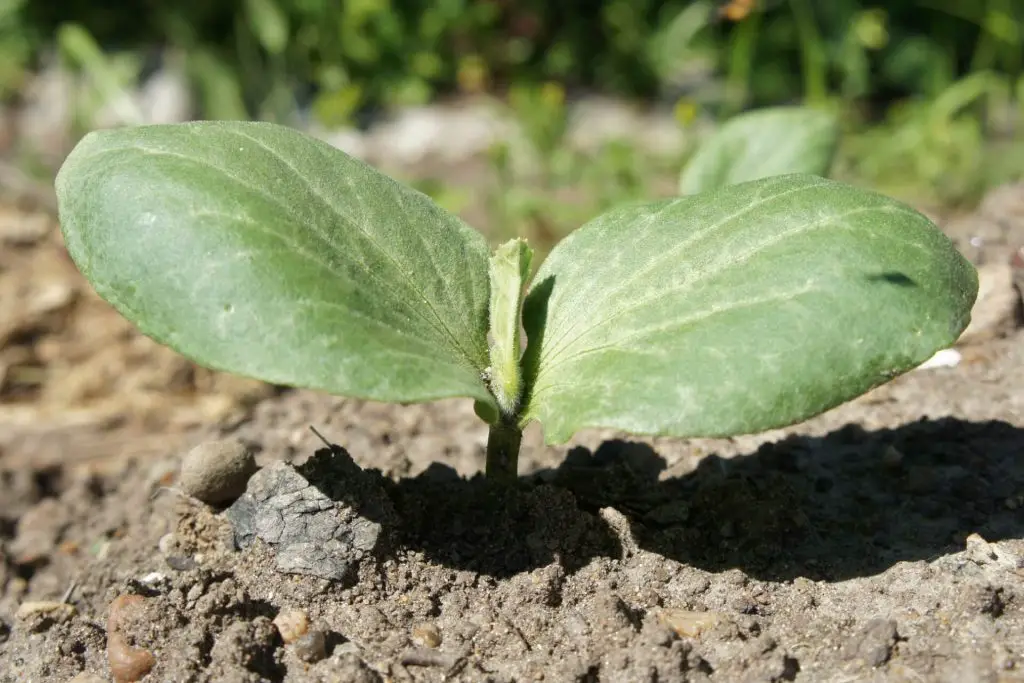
[255, 249]
[270, 24]
[510, 266]
[763, 143]
[738, 310]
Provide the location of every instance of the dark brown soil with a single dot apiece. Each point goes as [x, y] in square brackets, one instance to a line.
[880, 541]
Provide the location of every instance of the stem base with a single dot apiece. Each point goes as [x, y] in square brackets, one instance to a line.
[503, 452]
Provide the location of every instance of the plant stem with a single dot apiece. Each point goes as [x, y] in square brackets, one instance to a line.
[503, 452]
[812, 52]
[743, 43]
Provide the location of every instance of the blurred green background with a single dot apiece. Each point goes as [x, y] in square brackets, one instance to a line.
[929, 92]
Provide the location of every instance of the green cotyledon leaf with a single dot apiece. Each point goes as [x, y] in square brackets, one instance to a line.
[762, 143]
[737, 310]
[255, 249]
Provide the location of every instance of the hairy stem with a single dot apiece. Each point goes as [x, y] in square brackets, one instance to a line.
[503, 452]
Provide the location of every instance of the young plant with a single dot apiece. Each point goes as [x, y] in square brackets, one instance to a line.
[252, 248]
[762, 143]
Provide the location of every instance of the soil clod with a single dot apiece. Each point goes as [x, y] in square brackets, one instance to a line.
[873, 645]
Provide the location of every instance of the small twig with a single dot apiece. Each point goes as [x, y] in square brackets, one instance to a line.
[70, 591]
[321, 437]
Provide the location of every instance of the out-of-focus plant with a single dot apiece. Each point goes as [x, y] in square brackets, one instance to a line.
[345, 58]
[937, 145]
[763, 143]
[107, 79]
[17, 42]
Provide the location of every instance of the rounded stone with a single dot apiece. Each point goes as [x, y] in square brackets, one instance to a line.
[311, 647]
[217, 471]
[292, 624]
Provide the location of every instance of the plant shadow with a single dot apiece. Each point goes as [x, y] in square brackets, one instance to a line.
[851, 503]
[469, 524]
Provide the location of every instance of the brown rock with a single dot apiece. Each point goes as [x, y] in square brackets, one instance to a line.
[292, 624]
[217, 471]
[127, 663]
[426, 634]
[687, 623]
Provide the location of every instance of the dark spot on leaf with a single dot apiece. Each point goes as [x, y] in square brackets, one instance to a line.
[892, 278]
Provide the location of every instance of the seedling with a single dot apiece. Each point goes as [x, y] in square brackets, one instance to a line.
[252, 248]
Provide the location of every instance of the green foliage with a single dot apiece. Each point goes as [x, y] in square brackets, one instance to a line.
[108, 77]
[17, 44]
[360, 54]
[255, 249]
[763, 143]
[937, 147]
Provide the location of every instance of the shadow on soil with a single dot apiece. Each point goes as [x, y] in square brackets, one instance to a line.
[852, 503]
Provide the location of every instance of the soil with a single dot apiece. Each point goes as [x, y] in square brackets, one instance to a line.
[882, 541]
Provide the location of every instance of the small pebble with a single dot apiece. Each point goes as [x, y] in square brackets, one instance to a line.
[292, 624]
[217, 471]
[153, 579]
[180, 563]
[58, 611]
[167, 544]
[426, 634]
[311, 647]
[127, 664]
[689, 624]
[120, 607]
[944, 358]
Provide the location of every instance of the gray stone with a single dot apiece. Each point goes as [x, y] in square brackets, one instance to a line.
[310, 532]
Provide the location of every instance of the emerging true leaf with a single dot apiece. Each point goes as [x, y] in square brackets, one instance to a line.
[256, 249]
[733, 311]
[763, 143]
[510, 266]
